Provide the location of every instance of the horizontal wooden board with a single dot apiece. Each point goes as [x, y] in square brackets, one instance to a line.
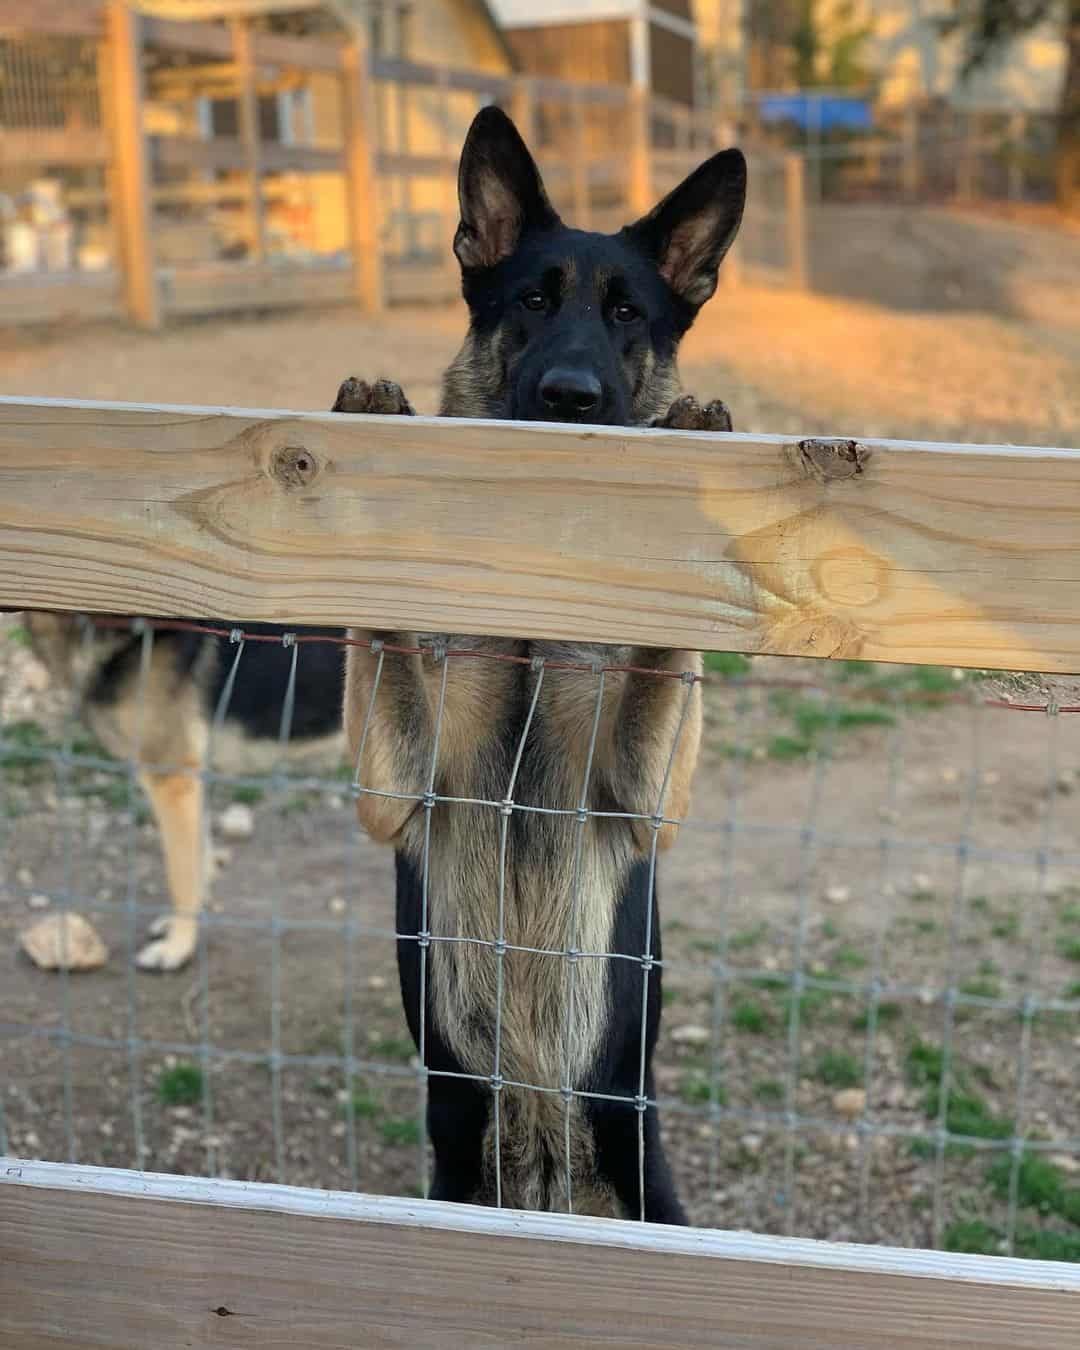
[120, 1260]
[880, 550]
[65, 18]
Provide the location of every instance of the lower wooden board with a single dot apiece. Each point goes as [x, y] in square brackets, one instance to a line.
[134, 1261]
[876, 550]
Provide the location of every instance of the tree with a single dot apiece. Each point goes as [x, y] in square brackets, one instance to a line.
[990, 25]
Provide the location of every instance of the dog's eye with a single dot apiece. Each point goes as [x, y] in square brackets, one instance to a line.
[625, 314]
[534, 300]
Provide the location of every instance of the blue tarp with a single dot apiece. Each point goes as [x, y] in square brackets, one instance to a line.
[826, 111]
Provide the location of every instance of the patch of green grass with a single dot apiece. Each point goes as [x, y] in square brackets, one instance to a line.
[811, 1002]
[830, 929]
[696, 1090]
[18, 635]
[364, 1105]
[837, 1068]
[1033, 1244]
[789, 747]
[969, 1115]
[1069, 948]
[980, 904]
[769, 1090]
[925, 1063]
[1005, 926]
[974, 1236]
[925, 926]
[729, 664]
[1073, 990]
[749, 937]
[748, 1015]
[1038, 1244]
[980, 987]
[393, 1047]
[849, 958]
[247, 794]
[669, 995]
[1070, 914]
[399, 1133]
[182, 1085]
[1040, 1184]
[854, 670]
[887, 1012]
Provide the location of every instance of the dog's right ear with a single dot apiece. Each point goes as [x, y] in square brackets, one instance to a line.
[500, 192]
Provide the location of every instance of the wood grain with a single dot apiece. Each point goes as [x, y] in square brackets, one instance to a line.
[127, 1261]
[883, 551]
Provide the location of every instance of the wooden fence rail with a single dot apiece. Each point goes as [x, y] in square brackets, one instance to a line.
[892, 551]
[120, 1260]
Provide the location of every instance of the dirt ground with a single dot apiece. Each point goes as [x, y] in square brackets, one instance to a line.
[897, 854]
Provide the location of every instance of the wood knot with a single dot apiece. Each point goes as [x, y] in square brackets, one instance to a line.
[832, 460]
[293, 466]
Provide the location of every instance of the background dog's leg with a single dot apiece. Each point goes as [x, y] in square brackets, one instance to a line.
[177, 803]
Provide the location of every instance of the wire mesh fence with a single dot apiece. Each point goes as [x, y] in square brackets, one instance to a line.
[870, 926]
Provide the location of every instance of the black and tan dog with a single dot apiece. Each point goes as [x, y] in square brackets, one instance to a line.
[565, 325]
[154, 703]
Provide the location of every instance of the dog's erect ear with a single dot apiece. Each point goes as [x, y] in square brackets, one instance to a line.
[688, 233]
[500, 191]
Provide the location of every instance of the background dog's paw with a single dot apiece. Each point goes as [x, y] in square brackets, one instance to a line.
[175, 940]
[382, 398]
[687, 414]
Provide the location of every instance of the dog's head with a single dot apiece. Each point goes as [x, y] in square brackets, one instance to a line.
[569, 325]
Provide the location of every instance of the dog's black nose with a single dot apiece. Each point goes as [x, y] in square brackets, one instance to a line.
[570, 394]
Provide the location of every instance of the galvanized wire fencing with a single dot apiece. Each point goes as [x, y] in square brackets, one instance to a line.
[870, 926]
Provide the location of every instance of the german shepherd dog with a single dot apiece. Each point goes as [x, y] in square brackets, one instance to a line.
[160, 712]
[569, 326]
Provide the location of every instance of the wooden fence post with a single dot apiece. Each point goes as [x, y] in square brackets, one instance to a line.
[129, 178]
[361, 177]
[910, 170]
[639, 189]
[523, 110]
[1018, 127]
[247, 99]
[447, 180]
[579, 164]
[795, 217]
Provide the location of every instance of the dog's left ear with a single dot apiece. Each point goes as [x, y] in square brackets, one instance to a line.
[688, 233]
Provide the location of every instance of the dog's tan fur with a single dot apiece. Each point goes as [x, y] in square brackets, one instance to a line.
[559, 889]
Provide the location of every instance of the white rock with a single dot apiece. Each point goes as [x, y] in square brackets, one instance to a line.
[851, 1102]
[39, 901]
[691, 1035]
[751, 1143]
[1068, 1162]
[838, 895]
[377, 981]
[336, 905]
[24, 877]
[237, 821]
[64, 941]
[35, 677]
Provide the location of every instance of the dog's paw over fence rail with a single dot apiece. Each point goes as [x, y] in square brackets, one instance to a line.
[822, 1064]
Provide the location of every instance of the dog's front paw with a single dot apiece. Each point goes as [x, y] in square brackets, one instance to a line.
[382, 398]
[687, 414]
